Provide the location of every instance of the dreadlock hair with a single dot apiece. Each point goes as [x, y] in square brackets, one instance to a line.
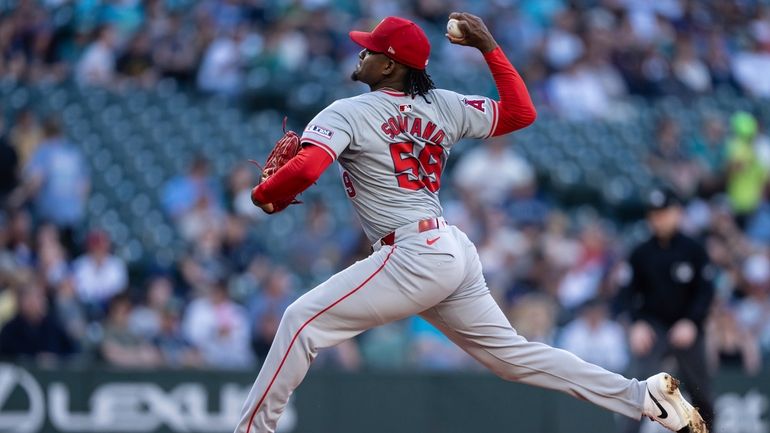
[418, 83]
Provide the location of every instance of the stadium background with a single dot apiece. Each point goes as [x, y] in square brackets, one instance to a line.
[127, 228]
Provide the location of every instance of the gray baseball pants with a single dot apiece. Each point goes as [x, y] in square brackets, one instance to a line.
[436, 274]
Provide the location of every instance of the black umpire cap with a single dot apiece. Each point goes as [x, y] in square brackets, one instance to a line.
[660, 198]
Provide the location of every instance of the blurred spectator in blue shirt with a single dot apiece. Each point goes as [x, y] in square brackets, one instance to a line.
[58, 178]
[182, 193]
[267, 307]
[758, 228]
[239, 247]
[526, 207]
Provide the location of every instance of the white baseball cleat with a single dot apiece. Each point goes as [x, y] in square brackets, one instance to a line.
[664, 404]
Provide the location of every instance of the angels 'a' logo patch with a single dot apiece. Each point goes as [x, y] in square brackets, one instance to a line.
[323, 132]
[478, 104]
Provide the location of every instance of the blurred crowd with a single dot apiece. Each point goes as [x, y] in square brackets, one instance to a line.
[556, 271]
[581, 58]
[65, 295]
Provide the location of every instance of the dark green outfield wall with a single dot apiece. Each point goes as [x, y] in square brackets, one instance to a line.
[100, 400]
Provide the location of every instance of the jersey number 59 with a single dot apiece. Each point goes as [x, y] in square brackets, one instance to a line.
[408, 167]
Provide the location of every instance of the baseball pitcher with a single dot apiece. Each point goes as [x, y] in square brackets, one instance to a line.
[392, 144]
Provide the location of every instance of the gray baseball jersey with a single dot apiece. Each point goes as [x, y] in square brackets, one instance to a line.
[392, 149]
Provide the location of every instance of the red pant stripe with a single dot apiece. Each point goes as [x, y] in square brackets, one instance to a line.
[286, 355]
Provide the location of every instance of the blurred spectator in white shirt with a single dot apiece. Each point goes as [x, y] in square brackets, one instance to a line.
[562, 45]
[99, 275]
[511, 171]
[579, 94]
[219, 328]
[746, 65]
[595, 338]
[203, 217]
[97, 65]
[753, 311]
[689, 69]
[583, 279]
[290, 48]
[222, 69]
[649, 20]
[598, 64]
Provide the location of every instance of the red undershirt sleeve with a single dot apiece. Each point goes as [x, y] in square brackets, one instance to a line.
[516, 108]
[294, 177]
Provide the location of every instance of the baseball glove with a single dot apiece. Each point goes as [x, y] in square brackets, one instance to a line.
[286, 148]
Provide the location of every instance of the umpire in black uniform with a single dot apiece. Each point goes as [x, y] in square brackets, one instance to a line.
[668, 298]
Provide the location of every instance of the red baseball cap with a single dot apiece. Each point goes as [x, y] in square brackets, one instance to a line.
[399, 39]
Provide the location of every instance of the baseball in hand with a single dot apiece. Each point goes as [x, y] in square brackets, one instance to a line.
[453, 28]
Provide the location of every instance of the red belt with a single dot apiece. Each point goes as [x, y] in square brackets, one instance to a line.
[422, 226]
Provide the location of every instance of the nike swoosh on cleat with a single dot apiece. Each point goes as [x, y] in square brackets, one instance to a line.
[663, 413]
[432, 241]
